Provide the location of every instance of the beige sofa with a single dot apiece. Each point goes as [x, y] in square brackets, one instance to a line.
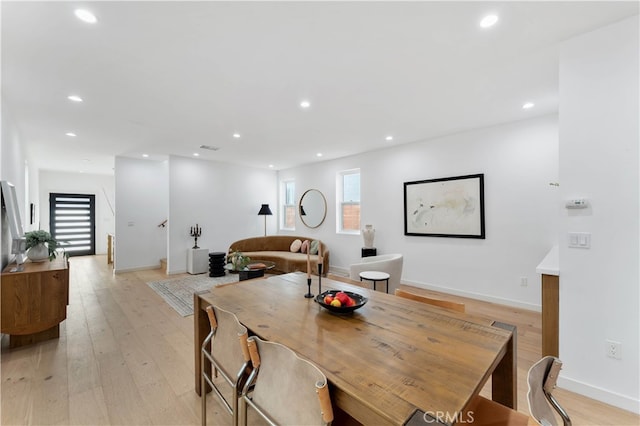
[276, 248]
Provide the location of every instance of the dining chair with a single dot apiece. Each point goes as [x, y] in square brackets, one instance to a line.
[283, 388]
[447, 304]
[542, 379]
[229, 356]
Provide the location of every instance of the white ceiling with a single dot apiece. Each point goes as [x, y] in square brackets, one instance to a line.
[163, 78]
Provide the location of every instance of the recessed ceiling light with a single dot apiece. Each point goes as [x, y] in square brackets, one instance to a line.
[528, 105]
[145, 155]
[236, 135]
[74, 98]
[489, 21]
[271, 166]
[389, 138]
[86, 16]
[73, 135]
[195, 154]
[319, 154]
[305, 104]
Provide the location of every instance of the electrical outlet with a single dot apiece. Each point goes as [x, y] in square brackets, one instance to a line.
[614, 349]
[524, 282]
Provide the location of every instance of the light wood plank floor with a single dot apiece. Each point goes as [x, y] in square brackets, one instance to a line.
[124, 357]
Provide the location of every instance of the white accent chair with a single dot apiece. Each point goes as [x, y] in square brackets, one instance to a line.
[389, 263]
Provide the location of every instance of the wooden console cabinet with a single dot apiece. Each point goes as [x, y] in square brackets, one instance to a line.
[34, 301]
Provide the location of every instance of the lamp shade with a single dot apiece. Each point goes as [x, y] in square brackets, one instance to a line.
[265, 210]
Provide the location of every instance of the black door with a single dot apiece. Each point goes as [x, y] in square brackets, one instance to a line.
[72, 222]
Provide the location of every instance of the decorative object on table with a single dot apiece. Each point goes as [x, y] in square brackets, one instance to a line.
[446, 207]
[368, 233]
[340, 302]
[216, 264]
[239, 260]
[40, 246]
[196, 232]
[308, 295]
[319, 267]
[265, 211]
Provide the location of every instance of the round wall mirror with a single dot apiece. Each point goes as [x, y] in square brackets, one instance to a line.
[313, 208]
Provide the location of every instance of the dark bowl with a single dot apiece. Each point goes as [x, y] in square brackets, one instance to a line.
[359, 299]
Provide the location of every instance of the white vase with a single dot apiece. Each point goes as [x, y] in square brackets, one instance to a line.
[38, 253]
[368, 233]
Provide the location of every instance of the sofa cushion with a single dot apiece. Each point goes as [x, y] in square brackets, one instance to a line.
[304, 247]
[295, 246]
[313, 247]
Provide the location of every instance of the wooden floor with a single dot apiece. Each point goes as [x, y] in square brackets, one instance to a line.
[125, 357]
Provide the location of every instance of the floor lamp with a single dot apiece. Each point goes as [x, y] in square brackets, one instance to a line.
[265, 211]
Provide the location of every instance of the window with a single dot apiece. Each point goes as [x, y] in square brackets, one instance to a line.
[288, 219]
[349, 201]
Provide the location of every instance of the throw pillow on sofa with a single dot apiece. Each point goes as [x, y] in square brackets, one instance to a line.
[313, 247]
[295, 246]
[305, 246]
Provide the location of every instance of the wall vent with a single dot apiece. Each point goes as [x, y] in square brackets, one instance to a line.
[209, 147]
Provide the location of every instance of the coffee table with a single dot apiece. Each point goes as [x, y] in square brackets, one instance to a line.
[254, 269]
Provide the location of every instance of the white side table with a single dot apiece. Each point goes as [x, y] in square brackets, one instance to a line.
[197, 260]
[375, 276]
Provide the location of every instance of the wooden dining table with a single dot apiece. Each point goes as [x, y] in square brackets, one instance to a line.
[393, 361]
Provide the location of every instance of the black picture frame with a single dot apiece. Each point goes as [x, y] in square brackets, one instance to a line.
[445, 207]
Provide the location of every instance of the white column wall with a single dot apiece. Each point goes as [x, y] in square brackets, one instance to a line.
[12, 169]
[141, 204]
[222, 199]
[519, 161]
[599, 136]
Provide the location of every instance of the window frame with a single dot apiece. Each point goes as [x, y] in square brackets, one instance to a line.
[285, 206]
[341, 203]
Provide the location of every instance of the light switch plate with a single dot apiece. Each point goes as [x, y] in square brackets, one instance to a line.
[580, 240]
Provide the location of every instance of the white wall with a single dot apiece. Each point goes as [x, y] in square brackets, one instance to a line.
[141, 204]
[12, 169]
[222, 199]
[102, 186]
[599, 134]
[519, 160]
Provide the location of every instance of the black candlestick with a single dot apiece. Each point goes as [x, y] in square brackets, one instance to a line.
[319, 278]
[196, 232]
[308, 295]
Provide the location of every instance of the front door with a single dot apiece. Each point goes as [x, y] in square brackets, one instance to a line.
[72, 222]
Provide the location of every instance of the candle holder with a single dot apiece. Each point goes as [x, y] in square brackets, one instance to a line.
[196, 232]
[308, 295]
[319, 278]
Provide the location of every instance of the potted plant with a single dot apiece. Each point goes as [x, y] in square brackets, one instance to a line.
[239, 260]
[40, 246]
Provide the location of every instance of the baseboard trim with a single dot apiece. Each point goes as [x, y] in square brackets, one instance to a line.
[139, 268]
[608, 397]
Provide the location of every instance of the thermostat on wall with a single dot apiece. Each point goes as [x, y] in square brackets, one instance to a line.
[577, 203]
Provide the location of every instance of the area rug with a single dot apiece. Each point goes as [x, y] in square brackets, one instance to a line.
[178, 292]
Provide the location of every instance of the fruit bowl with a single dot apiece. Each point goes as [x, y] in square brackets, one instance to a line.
[358, 299]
